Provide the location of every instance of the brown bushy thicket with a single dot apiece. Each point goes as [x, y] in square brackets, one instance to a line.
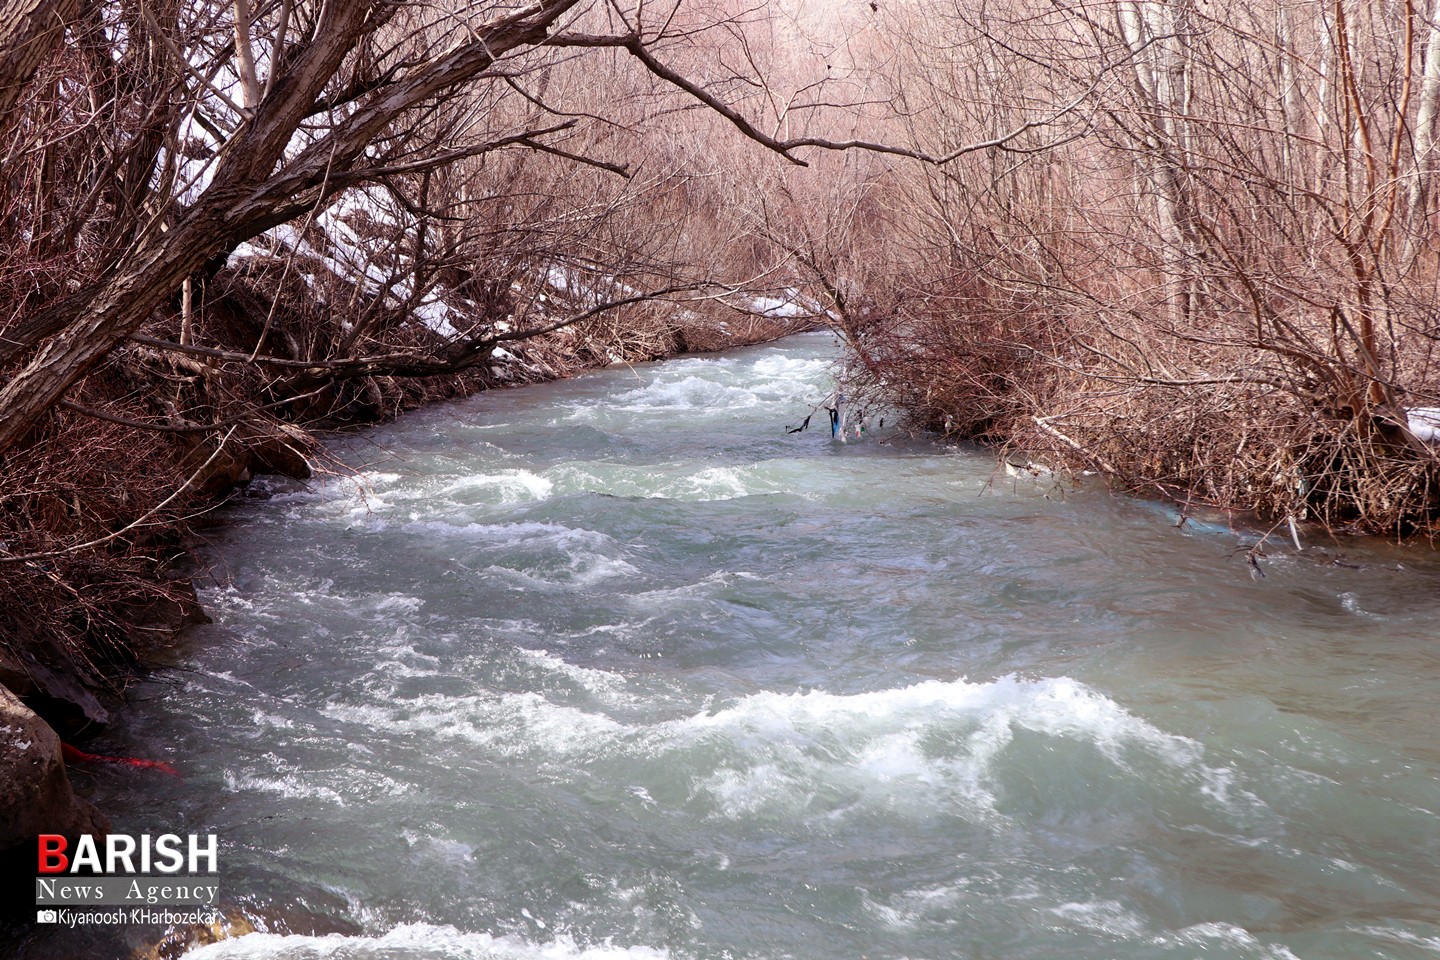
[1208, 271]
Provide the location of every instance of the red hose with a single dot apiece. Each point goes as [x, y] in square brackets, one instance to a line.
[72, 755]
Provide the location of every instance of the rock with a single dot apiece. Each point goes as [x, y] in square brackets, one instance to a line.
[228, 470]
[35, 794]
[279, 454]
[151, 623]
[14, 675]
[181, 940]
[258, 447]
[60, 687]
[288, 918]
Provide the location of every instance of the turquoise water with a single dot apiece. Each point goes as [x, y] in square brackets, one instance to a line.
[615, 668]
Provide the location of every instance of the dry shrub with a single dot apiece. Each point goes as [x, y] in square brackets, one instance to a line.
[1261, 450]
[75, 618]
[956, 355]
[1225, 425]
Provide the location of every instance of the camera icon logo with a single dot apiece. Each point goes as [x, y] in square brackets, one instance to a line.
[46, 916]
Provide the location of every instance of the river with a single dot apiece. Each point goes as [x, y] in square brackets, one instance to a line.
[616, 668]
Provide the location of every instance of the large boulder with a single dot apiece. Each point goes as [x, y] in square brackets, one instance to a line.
[35, 794]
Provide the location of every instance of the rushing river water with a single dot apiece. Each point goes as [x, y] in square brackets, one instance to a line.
[616, 668]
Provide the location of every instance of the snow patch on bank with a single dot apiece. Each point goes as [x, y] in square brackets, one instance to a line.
[1424, 422]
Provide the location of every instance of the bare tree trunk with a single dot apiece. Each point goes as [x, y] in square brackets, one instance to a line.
[1324, 70]
[119, 309]
[1154, 33]
[277, 49]
[187, 312]
[245, 56]
[30, 30]
[1424, 138]
[1289, 98]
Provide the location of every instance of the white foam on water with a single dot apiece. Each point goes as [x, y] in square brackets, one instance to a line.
[913, 907]
[509, 724]
[399, 603]
[405, 653]
[607, 687]
[579, 570]
[1351, 602]
[719, 483]
[528, 532]
[301, 785]
[1208, 936]
[1065, 708]
[353, 494]
[568, 555]
[393, 669]
[273, 721]
[229, 678]
[287, 498]
[416, 941]
[289, 786]
[377, 477]
[685, 393]
[792, 369]
[510, 486]
[366, 505]
[1107, 917]
[668, 481]
[1218, 783]
[711, 483]
[918, 751]
[444, 848]
[360, 496]
[909, 751]
[667, 598]
[228, 596]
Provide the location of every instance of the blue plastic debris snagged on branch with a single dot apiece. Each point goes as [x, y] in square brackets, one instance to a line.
[844, 426]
